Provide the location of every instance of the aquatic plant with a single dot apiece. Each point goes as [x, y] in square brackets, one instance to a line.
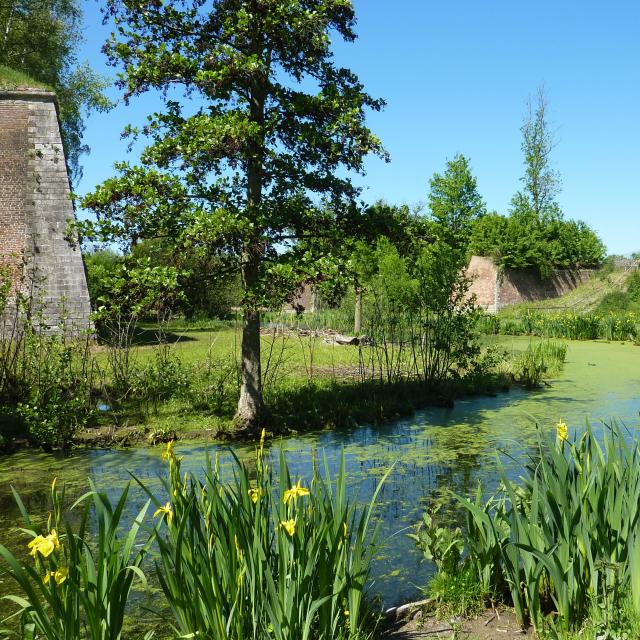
[537, 361]
[567, 325]
[243, 558]
[77, 583]
[563, 542]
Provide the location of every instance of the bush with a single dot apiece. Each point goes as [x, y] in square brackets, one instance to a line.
[58, 377]
[162, 378]
[215, 386]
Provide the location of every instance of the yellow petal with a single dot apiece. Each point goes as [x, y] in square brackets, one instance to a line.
[61, 575]
[289, 526]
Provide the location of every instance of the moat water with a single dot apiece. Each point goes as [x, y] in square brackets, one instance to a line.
[435, 451]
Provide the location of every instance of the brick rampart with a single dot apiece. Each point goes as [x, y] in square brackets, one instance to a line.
[36, 208]
[494, 289]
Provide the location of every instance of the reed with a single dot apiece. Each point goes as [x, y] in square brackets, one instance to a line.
[251, 558]
[562, 545]
[568, 325]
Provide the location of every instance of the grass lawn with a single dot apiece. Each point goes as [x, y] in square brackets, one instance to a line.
[309, 382]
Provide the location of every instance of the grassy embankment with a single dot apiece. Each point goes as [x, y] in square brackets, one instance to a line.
[12, 79]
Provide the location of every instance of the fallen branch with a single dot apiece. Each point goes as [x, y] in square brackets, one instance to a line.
[398, 611]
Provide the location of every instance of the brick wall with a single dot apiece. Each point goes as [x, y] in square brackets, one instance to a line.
[36, 208]
[494, 290]
[14, 121]
[484, 276]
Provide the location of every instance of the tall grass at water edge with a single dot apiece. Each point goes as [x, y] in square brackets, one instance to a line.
[561, 544]
[238, 557]
[567, 325]
[537, 362]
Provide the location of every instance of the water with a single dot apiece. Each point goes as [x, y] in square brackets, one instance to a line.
[436, 450]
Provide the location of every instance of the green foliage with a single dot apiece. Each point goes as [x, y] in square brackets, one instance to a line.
[41, 39]
[418, 313]
[455, 204]
[240, 172]
[102, 266]
[459, 594]
[633, 286]
[568, 325]
[214, 385]
[159, 379]
[535, 234]
[442, 545]
[46, 382]
[521, 241]
[565, 537]
[539, 360]
[244, 558]
[209, 282]
[78, 584]
[541, 182]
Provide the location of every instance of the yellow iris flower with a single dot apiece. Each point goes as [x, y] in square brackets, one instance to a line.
[168, 454]
[295, 492]
[256, 494]
[289, 526]
[167, 510]
[562, 432]
[60, 575]
[44, 546]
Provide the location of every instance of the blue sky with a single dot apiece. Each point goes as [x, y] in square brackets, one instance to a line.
[456, 75]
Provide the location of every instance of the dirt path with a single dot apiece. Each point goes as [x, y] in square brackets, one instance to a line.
[490, 625]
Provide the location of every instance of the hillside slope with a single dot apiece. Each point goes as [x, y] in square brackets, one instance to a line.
[585, 297]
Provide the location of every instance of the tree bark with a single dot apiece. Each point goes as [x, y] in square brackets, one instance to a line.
[250, 406]
[250, 412]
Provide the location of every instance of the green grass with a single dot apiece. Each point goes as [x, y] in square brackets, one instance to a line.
[190, 386]
[585, 297]
[12, 79]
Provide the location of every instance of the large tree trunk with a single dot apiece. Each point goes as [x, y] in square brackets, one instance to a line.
[250, 413]
[250, 407]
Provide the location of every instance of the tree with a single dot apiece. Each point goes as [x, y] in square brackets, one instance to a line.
[443, 286]
[269, 134]
[455, 204]
[41, 38]
[541, 182]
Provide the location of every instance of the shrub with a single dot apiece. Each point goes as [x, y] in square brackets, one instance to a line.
[58, 377]
[160, 379]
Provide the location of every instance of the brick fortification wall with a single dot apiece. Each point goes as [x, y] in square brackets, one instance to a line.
[494, 290]
[35, 208]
